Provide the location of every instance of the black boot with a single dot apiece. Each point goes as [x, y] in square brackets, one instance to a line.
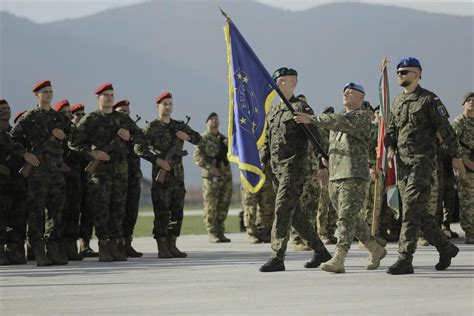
[115, 248]
[85, 249]
[3, 256]
[273, 265]
[318, 258]
[30, 253]
[445, 256]
[129, 251]
[16, 253]
[40, 254]
[174, 250]
[104, 252]
[71, 251]
[223, 238]
[163, 251]
[401, 267]
[55, 254]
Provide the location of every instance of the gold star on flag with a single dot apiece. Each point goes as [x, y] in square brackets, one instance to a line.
[239, 75]
[246, 79]
[243, 120]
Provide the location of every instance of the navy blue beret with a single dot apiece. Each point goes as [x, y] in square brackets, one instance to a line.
[354, 86]
[409, 62]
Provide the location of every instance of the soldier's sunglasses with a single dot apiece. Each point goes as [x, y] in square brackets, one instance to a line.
[403, 72]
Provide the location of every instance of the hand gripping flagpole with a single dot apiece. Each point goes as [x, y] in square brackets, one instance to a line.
[312, 138]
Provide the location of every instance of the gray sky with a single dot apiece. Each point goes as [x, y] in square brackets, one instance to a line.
[53, 10]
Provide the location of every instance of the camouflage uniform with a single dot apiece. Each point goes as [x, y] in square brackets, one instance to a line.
[259, 209]
[285, 148]
[464, 127]
[217, 191]
[348, 172]
[167, 198]
[45, 182]
[416, 117]
[107, 187]
[133, 194]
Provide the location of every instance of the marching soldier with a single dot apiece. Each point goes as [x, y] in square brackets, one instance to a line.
[211, 156]
[167, 196]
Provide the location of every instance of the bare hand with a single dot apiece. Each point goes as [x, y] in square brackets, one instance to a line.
[124, 134]
[58, 133]
[163, 164]
[458, 166]
[303, 118]
[215, 172]
[31, 159]
[323, 176]
[182, 135]
[100, 155]
[373, 174]
[390, 156]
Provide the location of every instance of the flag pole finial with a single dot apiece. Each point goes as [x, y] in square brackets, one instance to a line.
[385, 61]
[225, 15]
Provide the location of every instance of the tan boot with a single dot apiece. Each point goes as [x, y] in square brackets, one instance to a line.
[301, 247]
[376, 254]
[336, 264]
[422, 242]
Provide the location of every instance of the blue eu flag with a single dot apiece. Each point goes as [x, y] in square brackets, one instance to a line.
[251, 90]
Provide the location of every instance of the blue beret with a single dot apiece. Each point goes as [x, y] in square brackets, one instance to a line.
[409, 62]
[280, 72]
[354, 86]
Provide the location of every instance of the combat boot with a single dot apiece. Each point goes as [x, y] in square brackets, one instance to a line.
[129, 251]
[469, 240]
[336, 264]
[402, 266]
[54, 253]
[318, 258]
[253, 239]
[30, 253]
[16, 253]
[174, 250]
[223, 238]
[376, 254]
[115, 251]
[445, 256]
[273, 265]
[163, 251]
[104, 252]
[85, 249]
[301, 247]
[71, 251]
[3, 256]
[40, 254]
[213, 239]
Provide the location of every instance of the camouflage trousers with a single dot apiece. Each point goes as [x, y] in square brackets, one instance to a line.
[217, 193]
[45, 202]
[259, 209]
[107, 191]
[132, 205]
[326, 217]
[309, 205]
[72, 205]
[466, 203]
[3, 210]
[168, 205]
[447, 196]
[415, 191]
[86, 220]
[288, 211]
[17, 209]
[348, 197]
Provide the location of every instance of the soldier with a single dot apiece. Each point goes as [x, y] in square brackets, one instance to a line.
[416, 115]
[104, 135]
[167, 197]
[211, 156]
[17, 190]
[285, 148]
[133, 191]
[464, 127]
[349, 138]
[40, 135]
[259, 210]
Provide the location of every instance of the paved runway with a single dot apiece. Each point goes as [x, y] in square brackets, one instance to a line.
[223, 279]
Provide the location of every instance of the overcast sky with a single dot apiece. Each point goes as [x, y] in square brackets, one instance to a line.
[53, 10]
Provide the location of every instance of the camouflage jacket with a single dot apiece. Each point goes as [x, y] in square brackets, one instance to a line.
[158, 137]
[415, 119]
[98, 130]
[207, 154]
[349, 142]
[286, 145]
[32, 133]
[464, 128]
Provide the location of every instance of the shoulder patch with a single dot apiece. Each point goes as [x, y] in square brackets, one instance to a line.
[441, 110]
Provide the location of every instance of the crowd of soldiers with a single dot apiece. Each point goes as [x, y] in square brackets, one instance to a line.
[80, 172]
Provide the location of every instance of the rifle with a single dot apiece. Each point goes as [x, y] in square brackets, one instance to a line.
[92, 165]
[171, 152]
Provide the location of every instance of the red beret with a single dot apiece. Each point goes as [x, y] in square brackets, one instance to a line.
[162, 96]
[102, 88]
[3, 101]
[121, 103]
[40, 85]
[58, 106]
[77, 107]
[18, 115]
